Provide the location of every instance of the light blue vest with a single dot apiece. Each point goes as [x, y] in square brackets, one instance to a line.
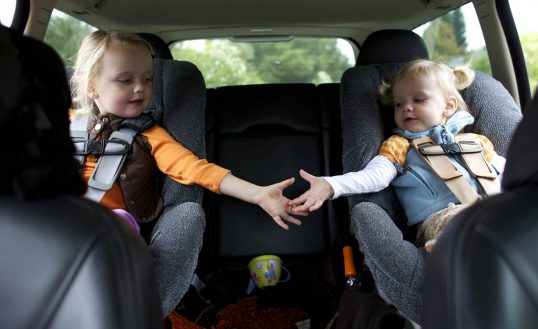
[420, 191]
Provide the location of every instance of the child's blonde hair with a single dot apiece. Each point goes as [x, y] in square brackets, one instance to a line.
[450, 81]
[89, 62]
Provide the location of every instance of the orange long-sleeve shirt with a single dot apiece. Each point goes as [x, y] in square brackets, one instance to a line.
[173, 159]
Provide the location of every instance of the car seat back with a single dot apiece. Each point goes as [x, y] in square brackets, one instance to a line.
[366, 123]
[65, 261]
[178, 105]
[483, 271]
[265, 134]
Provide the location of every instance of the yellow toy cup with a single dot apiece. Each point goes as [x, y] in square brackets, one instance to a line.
[265, 270]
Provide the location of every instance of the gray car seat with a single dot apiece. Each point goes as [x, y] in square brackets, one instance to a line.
[483, 272]
[64, 261]
[178, 105]
[377, 220]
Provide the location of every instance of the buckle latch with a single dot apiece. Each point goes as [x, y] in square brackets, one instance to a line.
[451, 148]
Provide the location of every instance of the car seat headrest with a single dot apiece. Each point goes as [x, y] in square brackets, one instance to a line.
[159, 47]
[392, 46]
[521, 160]
[37, 154]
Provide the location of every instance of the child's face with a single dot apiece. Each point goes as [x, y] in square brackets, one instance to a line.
[123, 86]
[420, 104]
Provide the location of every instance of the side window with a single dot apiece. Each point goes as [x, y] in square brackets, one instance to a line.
[290, 60]
[456, 38]
[7, 11]
[524, 13]
[64, 34]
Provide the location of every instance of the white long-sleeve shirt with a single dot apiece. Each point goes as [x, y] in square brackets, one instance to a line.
[377, 175]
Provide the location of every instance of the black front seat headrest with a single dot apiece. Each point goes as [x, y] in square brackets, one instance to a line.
[483, 271]
[522, 160]
[65, 261]
[37, 154]
[392, 46]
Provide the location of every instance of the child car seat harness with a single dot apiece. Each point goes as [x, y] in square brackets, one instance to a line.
[112, 152]
[470, 151]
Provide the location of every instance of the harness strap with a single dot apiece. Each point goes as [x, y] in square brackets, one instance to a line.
[109, 166]
[478, 167]
[446, 170]
[79, 135]
[114, 151]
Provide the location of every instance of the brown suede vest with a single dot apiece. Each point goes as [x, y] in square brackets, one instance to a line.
[139, 178]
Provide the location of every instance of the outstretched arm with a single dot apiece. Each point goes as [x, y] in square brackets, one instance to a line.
[377, 175]
[311, 200]
[269, 198]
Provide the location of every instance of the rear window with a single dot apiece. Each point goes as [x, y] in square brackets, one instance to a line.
[7, 11]
[64, 34]
[226, 62]
[456, 39]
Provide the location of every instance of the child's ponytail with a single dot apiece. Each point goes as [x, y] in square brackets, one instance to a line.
[385, 93]
[464, 76]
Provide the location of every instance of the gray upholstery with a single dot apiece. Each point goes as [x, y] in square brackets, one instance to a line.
[483, 272]
[179, 100]
[64, 261]
[176, 241]
[178, 104]
[495, 112]
[365, 124]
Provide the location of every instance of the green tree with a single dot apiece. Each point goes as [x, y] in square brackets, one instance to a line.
[446, 39]
[221, 63]
[224, 62]
[64, 34]
[440, 38]
[479, 60]
[457, 20]
[301, 60]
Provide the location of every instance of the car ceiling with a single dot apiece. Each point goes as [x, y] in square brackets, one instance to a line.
[191, 19]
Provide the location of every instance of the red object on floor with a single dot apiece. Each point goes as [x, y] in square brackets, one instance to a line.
[244, 314]
[177, 321]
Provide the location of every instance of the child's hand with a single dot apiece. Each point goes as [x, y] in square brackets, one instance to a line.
[271, 199]
[313, 198]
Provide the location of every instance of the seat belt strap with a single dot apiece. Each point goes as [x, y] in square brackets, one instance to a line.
[79, 135]
[478, 166]
[447, 171]
[108, 167]
[110, 163]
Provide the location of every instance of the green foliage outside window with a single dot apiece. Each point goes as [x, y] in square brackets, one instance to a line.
[64, 34]
[224, 62]
[445, 38]
[315, 60]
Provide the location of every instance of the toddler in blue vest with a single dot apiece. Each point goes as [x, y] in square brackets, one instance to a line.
[426, 103]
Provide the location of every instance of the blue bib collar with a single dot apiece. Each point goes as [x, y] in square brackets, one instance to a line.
[441, 134]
